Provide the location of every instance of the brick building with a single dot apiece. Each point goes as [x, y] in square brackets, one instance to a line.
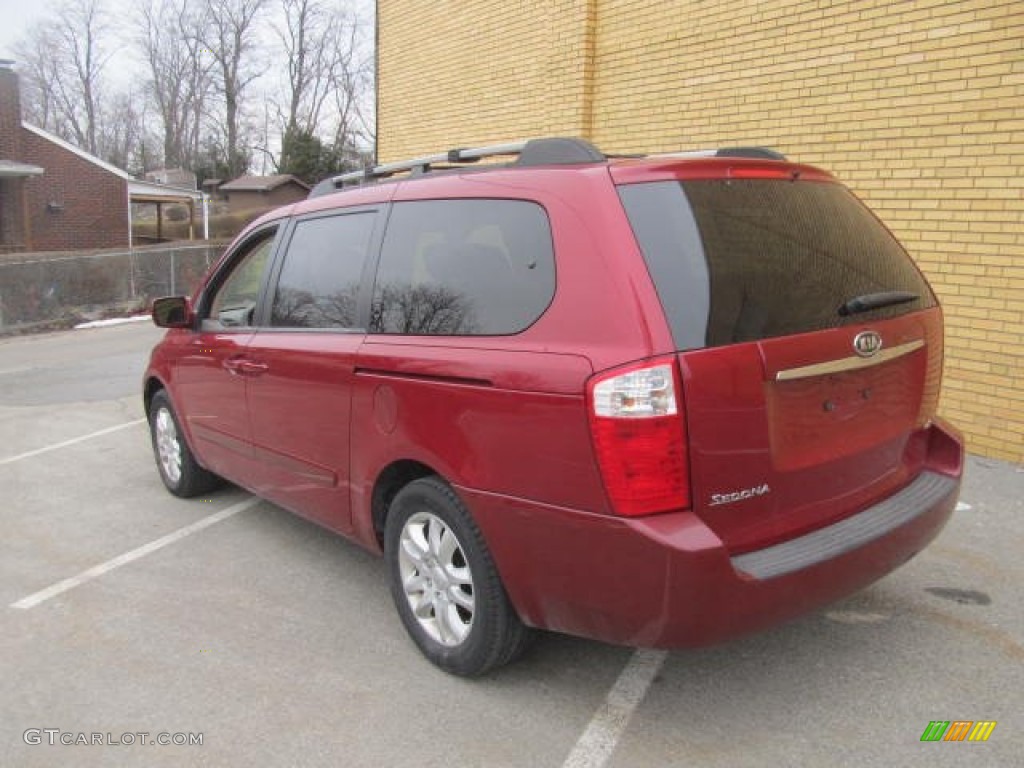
[917, 105]
[56, 197]
[248, 193]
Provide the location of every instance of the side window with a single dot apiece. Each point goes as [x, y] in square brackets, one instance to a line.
[319, 281]
[234, 302]
[463, 267]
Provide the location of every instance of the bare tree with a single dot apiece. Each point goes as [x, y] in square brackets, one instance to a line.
[79, 33]
[38, 73]
[229, 36]
[168, 35]
[64, 60]
[121, 136]
[351, 85]
[202, 58]
[318, 117]
[312, 38]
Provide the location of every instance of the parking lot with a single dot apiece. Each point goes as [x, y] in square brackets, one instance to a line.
[128, 612]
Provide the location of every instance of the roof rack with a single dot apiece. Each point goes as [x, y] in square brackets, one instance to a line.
[552, 151]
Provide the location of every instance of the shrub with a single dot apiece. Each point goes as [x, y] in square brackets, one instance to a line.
[222, 225]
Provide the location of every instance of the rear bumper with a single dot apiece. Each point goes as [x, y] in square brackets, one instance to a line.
[668, 581]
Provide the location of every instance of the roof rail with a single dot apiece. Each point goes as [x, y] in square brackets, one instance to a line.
[763, 153]
[551, 151]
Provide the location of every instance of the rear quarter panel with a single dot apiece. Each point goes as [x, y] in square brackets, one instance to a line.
[507, 414]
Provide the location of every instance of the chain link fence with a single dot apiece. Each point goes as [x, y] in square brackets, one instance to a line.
[39, 289]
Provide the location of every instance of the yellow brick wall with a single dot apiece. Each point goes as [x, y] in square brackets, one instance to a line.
[456, 73]
[918, 105]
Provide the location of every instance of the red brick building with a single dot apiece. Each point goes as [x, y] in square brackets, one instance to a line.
[56, 197]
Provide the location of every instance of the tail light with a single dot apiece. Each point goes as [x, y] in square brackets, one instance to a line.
[636, 419]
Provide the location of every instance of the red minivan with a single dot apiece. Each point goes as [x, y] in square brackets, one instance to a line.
[657, 401]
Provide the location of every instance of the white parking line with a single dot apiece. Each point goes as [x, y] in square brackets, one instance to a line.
[72, 441]
[605, 729]
[96, 571]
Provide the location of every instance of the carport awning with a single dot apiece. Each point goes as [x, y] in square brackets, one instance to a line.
[147, 192]
[146, 198]
[12, 170]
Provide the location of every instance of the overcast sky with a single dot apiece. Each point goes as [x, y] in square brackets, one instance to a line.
[123, 69]
[15, 17]
[18, 16]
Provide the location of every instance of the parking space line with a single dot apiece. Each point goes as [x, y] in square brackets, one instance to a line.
[602, 735]
[98, 570]
[72, 441]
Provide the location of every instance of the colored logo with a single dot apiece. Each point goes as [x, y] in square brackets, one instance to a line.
[867, 343]
[958, 730]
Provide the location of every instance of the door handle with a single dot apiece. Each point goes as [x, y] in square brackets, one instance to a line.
[252, 368]
[241, 366]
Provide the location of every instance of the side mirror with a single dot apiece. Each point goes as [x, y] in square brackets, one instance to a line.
[172, 312]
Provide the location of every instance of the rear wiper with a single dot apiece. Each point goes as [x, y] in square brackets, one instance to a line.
[871, 301]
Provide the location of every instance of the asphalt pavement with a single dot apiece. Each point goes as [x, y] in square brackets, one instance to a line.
[129, 618]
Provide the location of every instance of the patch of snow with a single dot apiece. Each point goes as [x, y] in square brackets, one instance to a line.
[112, 321]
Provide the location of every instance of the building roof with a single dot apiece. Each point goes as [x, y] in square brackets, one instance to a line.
[137, 190]
[12, 169]
[76, 150]
[172, 177]
[261, 183]
[173, 171]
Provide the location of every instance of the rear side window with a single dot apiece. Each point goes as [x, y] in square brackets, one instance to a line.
[319, 282]
[746, 259]
[463, 267]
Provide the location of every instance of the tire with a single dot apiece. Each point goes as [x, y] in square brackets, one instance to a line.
[445, 584]
[178, 468]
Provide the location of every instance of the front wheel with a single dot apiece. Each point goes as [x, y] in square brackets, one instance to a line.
[179, 470]
[445, 584]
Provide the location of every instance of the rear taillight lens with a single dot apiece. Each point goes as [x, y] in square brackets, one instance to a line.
[636, 418]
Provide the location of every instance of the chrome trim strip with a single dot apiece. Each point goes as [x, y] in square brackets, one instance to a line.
[848, 363]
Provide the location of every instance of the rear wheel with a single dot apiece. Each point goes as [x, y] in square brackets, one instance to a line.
[179, 470]
[445, 584]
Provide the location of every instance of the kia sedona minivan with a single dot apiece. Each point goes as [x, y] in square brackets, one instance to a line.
[656, 401]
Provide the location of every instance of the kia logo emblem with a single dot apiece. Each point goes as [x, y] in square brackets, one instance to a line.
[867, 343]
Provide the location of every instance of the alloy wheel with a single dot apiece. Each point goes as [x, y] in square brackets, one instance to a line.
[167, 446]
[436, 578]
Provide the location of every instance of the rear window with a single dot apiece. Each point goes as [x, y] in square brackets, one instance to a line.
[739, 260]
